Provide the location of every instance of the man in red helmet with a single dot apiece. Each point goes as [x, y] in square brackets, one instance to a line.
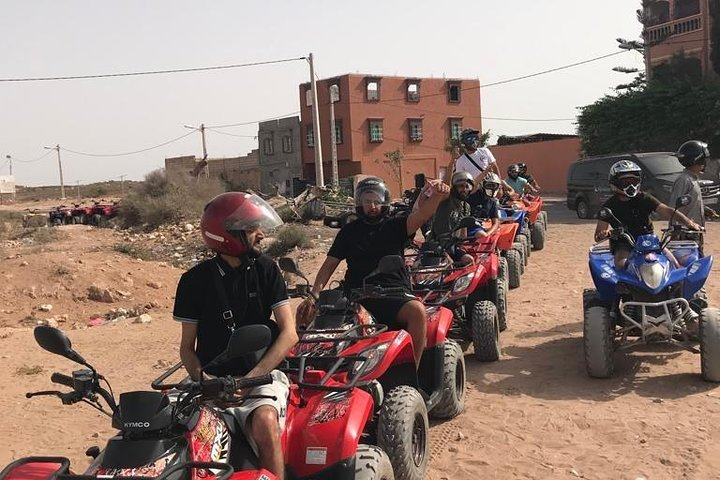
[240, 286]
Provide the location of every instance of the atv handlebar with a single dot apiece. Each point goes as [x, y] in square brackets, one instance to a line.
[214, 386]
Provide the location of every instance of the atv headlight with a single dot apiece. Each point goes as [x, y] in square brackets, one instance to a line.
[652, 274]
[463, 282]
[373, 355]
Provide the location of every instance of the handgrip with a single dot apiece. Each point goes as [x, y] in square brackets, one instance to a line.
[254, 381]
[62, 379]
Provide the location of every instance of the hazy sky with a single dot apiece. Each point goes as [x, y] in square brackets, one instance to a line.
[481, 39]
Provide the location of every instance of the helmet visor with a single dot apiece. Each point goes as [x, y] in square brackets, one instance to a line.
[370, 195]
[253, 214]
[625, 182]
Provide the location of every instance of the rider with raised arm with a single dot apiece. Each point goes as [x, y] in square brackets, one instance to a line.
[240, 286]
[365, 241]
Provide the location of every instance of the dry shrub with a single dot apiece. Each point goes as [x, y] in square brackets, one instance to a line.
[288, 237]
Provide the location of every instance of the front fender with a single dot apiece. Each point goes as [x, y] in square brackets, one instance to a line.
[439, 322]
[697, 274]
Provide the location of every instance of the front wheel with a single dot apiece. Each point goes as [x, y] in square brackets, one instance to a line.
[452, 401]
[502, 286]
[598, 342]
[514, 268]
[582, 209]
[486, 331]
[710, 344]
[403, 432]
[538, 236]
[372, 463]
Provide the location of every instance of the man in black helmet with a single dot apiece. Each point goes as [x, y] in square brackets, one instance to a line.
[364, 242]
[693, 155]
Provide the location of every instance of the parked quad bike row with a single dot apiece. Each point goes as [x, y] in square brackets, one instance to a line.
[97, 214]
[358, 408]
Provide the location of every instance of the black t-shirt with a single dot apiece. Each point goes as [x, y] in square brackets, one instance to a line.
[634, 213]
[528, 177]
[252, 291]
[483, 206]
[362, 246]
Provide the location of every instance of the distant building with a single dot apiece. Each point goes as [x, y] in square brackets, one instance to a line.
[680, 26]
[279, 155]
[237, 172]
[548, 157]
[376, 114]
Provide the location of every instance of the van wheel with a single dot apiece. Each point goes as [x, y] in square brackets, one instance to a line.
[583, 209]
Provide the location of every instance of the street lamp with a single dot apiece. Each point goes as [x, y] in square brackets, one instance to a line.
[62, 184]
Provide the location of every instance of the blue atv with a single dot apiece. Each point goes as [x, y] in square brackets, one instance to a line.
[655, 299]
[517, 215]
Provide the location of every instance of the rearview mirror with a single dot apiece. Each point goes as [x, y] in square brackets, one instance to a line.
[287, 264]
[605, 214]
[243, 341]
[55, 341]
[682, 201]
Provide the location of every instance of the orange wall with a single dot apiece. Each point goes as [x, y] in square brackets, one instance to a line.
[547, 161]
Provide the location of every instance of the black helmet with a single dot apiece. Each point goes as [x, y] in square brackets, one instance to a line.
[693, 152]
[626, 176]
[523, 168]
[376, 186]
[470, 138]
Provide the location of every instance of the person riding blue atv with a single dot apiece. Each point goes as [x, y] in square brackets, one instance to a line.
[656, 299]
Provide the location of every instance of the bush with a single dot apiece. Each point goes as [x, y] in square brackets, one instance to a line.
[288, 237]
[134, 251]
[10, 225]
[157, 201]
[43, 235]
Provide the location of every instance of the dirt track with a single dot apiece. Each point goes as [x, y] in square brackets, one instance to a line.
[533, 414]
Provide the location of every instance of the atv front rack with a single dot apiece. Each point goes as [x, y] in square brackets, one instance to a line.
[331, 365]
[651, 327]
[338, 335]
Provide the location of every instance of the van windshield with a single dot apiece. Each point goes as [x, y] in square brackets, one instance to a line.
[661, 164]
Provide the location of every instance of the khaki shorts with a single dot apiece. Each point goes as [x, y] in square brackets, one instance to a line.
[280, 388]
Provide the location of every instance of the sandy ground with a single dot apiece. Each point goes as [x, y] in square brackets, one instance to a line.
[534, 414]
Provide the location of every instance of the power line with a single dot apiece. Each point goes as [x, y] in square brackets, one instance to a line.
[151, 72]
[127, 153]
[35, 159]
[563, 67]
[230, 134]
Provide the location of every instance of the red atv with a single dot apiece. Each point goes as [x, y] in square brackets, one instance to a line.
[102, 212]
[59, 216]
[82, 214]
[475, 293]
[160, 436]
[536, 218]
[344, 332]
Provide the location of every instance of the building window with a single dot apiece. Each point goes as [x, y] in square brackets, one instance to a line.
[338, 132]
[376, 131]
[373, 89]
[415, 129]
[310, 136]
[287, 145]
[413, 91]
[455, 128]
[453, 92]
[308, 97]
[268, 146]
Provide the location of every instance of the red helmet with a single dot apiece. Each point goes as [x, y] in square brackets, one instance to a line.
[229, 215]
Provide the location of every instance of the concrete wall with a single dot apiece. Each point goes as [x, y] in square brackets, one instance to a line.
[358, 155]
[279, 155]
[547, 161]
[242, 172]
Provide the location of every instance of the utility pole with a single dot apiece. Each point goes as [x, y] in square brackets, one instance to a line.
[333, 135]
[77, 183]
[122, 184]
[62, 184]
[203, 163]
[319, 175]
[9, 158]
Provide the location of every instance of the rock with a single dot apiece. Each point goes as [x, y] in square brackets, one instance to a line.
[453, 449]
[459, 436]
[24, 263]
[189, 227]
[154, 284]
[574, 473]
[658, 400]
[46, 307]
[50, 322]
[99, 294]
[122, 293]
[120, 318]
[643, 441]
[144, 318]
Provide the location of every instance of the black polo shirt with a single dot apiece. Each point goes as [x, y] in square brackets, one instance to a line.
[362, 246]
[253, 290]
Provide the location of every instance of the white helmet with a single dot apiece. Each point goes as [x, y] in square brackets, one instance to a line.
[491, 184]
[625, 176]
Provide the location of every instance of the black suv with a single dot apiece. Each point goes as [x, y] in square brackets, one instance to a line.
[588, 187]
